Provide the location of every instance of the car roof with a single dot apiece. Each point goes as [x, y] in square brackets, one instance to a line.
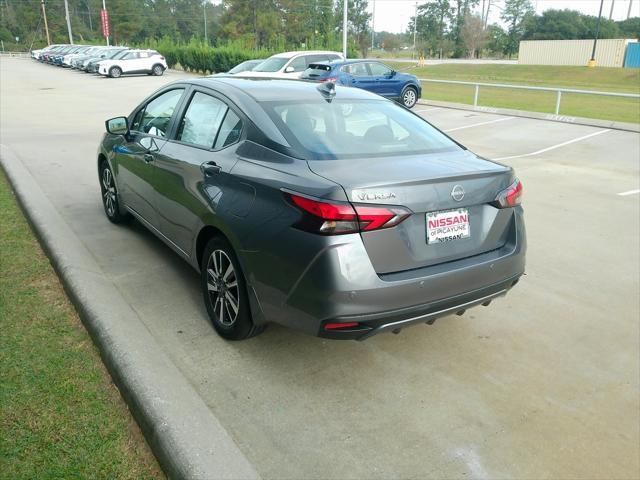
[302, 52]
[262, 89]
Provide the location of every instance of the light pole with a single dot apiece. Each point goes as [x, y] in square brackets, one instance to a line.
[344, 29]
[629, 11]
[415, 28]
[592, 62]
[66, 15]
[613, 2]
[373, 24]
[204, 10]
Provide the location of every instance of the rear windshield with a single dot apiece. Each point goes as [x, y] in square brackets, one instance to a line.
[355, 128]
[317, 70]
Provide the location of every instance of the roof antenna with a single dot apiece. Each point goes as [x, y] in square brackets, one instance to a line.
[327, 90]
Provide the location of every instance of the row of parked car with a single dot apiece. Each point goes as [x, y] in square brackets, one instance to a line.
[108, 61]
[324, 66]
[318, 66]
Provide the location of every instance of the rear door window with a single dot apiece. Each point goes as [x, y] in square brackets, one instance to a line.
[229, 131]
[202, 120]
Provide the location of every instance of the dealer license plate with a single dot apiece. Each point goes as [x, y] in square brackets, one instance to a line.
[445, 226]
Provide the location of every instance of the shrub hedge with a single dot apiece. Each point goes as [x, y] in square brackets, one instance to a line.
[196, 56]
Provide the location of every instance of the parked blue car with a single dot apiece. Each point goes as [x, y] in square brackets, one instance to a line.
[369, 75]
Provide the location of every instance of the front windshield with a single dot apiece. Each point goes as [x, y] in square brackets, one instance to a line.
[355, 128]
[272, 64]
[118, 55]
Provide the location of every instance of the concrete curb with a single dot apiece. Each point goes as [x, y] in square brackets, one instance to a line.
[183, 433]
[630, 127]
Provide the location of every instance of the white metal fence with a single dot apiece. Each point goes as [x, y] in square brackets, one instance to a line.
[558, 91]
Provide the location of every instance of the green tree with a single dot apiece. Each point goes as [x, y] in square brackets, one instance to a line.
[567, 25]
[515, 14]
[433, 23]
[358, 23]
[630, 28]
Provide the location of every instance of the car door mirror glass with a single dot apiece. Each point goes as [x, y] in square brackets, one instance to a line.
[289, 69]
[117, 126]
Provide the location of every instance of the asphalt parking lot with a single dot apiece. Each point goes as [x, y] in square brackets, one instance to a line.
[542, 384]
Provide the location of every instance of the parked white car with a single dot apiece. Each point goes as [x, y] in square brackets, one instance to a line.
[291, 64]
[135, 61]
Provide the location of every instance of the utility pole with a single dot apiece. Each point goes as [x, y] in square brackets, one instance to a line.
[344, 28]
[613, 2]
[204, 10]
[46, 25]
[592, 62]
[629, 11]
[68, 18]
[415, 28]
[373, 24]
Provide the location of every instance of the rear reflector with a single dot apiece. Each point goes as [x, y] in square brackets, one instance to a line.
[511, 196]
[340, 326]
[333, 218]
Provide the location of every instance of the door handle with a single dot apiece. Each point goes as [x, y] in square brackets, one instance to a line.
[210, 168]
[148, 158]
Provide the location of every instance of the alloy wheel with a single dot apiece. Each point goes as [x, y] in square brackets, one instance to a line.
[222, 286]
[157, 70]
[109, 192]
[409, 98]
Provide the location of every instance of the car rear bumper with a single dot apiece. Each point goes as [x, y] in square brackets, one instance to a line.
[395, 320]
[332, 280]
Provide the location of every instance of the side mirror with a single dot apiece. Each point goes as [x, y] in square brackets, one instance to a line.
[289, 69]
[392, 73]
[117, 126]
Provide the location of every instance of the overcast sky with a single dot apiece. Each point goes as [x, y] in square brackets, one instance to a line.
[393, 15]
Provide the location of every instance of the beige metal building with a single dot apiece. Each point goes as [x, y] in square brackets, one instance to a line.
[609, 53]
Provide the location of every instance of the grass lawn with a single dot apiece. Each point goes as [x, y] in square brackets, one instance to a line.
[625, 80]
[60, 415]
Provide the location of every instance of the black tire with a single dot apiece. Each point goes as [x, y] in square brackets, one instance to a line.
[115, 72]
[221, 287]
[157, 70]
[110, 200]
[409, 97]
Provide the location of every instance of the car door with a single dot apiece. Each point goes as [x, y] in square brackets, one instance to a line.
[387, 83]
[129, 62]
[135, 157]
[193, 168]
[298, 64]
[358, 75]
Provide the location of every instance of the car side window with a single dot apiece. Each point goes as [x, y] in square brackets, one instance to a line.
[229, 131]
[379, 70]
[155, 117]
[201, 121]
[357, 69]
[144, 54]
[130, 56]
[299, 64]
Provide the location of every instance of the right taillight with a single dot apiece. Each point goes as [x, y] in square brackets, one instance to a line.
[329, 79]
[336, 218]
[510, 196]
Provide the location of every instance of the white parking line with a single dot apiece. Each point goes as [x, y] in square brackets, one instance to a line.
[553, 147]
[630, 192]
[427, 110]
[479, 124]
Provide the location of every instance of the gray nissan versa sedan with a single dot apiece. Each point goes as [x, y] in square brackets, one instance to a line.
[327, 209]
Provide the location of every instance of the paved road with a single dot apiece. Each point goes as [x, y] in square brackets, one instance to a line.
[542, 384]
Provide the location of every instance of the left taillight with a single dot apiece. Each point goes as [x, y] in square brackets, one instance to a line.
[336, 218]
[329, 79]
[510, 196]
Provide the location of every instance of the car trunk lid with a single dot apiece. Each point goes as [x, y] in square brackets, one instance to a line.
[425, 184]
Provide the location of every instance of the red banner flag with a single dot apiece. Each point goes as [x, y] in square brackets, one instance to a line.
[104, 16]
